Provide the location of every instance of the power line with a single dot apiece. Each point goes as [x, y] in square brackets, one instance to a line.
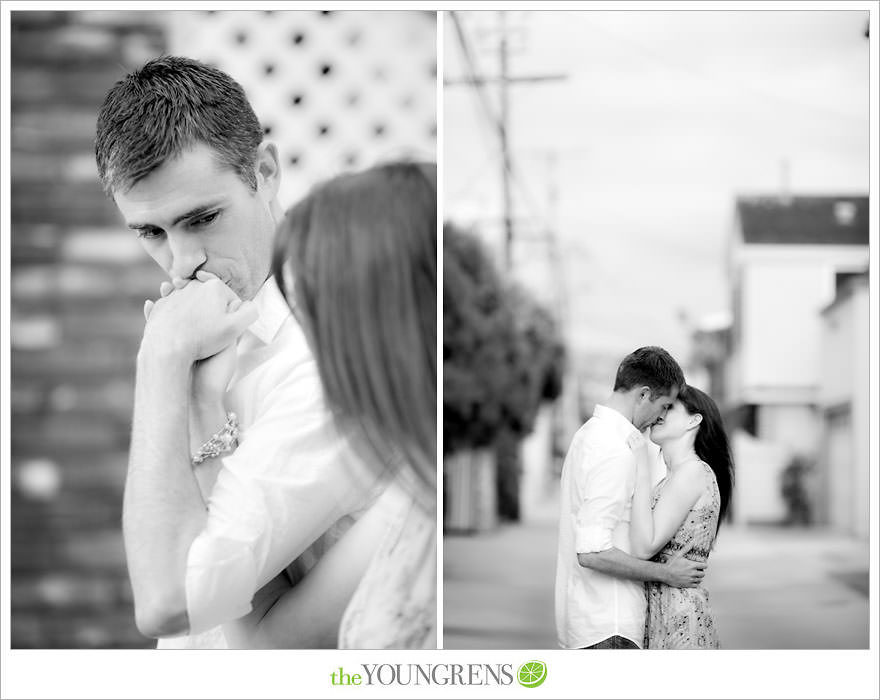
[499, 123]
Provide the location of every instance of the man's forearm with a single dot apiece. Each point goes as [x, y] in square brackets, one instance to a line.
[163, 510]
[616, 562]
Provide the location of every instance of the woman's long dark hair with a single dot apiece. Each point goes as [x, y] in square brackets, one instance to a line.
[362, 250]
[711, 445]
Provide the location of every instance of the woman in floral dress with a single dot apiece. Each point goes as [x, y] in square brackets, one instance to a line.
[682, 513]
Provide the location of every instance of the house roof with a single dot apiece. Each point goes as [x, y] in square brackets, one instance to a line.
[825, 220]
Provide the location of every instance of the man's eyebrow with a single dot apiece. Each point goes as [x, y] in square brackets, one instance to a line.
[192, 213]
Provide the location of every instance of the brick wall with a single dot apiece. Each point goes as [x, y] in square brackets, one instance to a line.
[78, 281]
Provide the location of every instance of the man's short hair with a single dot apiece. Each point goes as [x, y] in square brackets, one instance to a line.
[167, 106]
[650, 366]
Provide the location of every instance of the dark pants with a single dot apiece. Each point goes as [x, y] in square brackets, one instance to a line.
[615, 642]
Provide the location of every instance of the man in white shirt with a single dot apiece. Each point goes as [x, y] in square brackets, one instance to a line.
[236, 467]
[600, 598]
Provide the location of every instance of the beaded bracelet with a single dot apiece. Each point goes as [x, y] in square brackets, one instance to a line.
[222, 442]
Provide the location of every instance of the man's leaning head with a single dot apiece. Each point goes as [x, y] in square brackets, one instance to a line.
[654, 378]
[167, 106]
[180, 151]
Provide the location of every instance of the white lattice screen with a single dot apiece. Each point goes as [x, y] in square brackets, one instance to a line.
[335, 90]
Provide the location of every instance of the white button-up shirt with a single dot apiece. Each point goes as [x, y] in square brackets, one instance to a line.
[598, 480]
[288, 491]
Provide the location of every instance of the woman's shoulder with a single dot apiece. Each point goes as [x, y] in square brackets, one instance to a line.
[689, 483]
[706, 469]
[705, 475]
[692, 470]
[685, 480]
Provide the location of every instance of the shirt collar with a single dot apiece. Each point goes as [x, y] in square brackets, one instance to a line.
[622, 427]
[273, 312]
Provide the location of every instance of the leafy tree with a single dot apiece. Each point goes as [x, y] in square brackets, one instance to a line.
[502, 355]
[477, 337]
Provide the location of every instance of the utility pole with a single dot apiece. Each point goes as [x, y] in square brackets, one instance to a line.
[502, 123]
[546, 236]
[505, 145]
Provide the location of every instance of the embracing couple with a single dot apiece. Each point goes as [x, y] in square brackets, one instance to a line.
[281, 481]
[632, 554]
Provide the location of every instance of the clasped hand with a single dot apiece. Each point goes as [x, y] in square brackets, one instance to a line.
[683, 572]
[196, 319]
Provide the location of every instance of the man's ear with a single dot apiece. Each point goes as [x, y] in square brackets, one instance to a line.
[644, 394]
[268, 170]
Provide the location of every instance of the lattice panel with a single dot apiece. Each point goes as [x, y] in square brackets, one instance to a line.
[335, 90]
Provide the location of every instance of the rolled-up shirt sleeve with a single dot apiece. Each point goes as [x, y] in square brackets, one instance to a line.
[291, 478]
[603, 492]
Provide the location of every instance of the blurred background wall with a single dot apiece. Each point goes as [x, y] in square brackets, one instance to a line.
[337, 90]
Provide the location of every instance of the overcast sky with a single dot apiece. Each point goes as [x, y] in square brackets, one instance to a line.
[662, 119]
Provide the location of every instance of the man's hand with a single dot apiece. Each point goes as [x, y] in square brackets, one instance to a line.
[682, 572]
[198, 320]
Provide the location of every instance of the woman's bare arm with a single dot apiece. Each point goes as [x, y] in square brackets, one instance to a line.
[652, 528]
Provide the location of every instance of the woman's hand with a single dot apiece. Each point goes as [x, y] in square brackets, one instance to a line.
[641, 531]
[639, 445]
[211, 375]
[210, 378]
[195, 320]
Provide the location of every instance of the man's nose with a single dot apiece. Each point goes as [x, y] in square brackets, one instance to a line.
[187, 255]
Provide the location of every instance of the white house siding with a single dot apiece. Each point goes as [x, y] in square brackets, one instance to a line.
[781, 306]
[777, 364]
[844, 459]
[784, 430]
[756, 497]
[795, 427]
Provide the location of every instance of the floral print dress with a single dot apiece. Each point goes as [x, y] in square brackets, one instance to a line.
[680, 618]
[395, 605]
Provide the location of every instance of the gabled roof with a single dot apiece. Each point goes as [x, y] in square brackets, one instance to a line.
[826, 220]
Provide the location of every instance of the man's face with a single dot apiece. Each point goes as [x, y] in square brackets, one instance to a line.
[649, 410]
[193, 214]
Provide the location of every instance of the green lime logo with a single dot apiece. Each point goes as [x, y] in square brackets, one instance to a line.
[532, 673]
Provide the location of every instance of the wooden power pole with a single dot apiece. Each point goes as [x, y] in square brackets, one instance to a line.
[502, 123]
